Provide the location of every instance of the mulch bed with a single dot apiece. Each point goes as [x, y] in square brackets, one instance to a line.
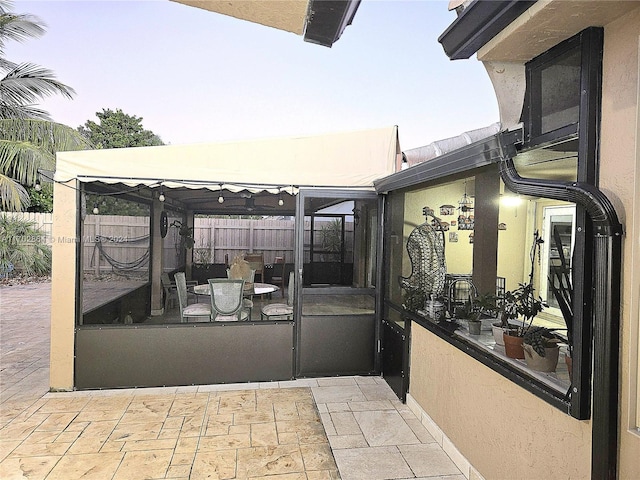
[14, 280]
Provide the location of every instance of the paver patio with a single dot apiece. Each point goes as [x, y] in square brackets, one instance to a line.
[309, 429]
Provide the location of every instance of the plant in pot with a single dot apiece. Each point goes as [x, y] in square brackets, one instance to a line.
[468, 312]
[521, 302]
[186, 234]
[540, 349]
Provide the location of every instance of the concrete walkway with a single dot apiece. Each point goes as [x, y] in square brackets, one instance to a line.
[352, 428]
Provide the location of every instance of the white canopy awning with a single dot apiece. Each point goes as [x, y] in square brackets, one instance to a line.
[342, 160]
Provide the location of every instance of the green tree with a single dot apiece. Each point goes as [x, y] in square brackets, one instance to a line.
[117, 129]
[28, 137]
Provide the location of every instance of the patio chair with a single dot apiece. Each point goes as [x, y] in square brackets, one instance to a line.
[195, 310]
[248, 286]
[256, 262]
[171, 291]
[280, 309]
[226, 300]
[277, 278]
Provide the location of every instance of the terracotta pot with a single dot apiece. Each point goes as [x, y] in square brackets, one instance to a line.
[513, 346]
[569, 361]
[548, 363]
[498, 331]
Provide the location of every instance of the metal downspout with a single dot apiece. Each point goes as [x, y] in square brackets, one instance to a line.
[607, 248]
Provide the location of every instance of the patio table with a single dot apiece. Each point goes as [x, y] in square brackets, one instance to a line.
[257, 289]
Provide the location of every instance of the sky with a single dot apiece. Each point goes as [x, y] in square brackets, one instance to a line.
[196, 76]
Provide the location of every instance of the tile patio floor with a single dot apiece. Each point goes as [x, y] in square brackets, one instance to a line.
[309, 429]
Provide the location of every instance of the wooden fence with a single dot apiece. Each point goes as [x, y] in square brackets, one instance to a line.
[114, 242]
[219, 238]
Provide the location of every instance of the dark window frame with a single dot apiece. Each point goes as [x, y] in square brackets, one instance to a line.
[577, 402]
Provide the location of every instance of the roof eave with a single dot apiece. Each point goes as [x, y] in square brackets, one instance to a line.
[327, 20]
[478, 23]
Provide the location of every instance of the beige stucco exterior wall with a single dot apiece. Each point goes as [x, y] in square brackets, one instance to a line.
[620, 180]
[63, 287]
[503, 430]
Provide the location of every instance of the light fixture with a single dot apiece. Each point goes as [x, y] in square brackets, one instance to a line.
[220, 198]
[96, 211]
[37, 186]
[161, 196]
[280, 200]
[510, 200]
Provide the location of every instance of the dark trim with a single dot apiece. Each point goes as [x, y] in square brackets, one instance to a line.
[327, 19]
[607, 254]
[476, 155]
[478, 23]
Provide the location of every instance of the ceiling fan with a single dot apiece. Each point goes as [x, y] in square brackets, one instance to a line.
[249, 203]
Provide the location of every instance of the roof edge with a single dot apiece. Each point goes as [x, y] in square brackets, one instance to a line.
[478, 23]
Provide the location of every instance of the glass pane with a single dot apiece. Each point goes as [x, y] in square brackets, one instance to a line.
[560, 91]
[115, 256]
[339, 242]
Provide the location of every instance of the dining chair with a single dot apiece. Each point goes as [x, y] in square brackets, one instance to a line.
[195, 310]
[277, 277]
[256, 262]
[226, 300]
[170, 291]
[280, 309]
[248, 286]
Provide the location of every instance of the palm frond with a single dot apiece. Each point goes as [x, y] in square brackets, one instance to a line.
[28, 83]
[22, 112]
[50, 136]
[18, 27]
[13, 196]
[22, 160]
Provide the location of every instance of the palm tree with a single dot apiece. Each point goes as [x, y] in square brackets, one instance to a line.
[28, 137]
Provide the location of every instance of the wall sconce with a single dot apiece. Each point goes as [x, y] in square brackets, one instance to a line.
[220, 197]
[96, 210]
[161, 196]
[356, 216]
[37, 186]
[280, 200]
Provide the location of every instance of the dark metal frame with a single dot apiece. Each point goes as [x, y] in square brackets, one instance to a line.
[303, 194]
[478, 23]
[328, 19]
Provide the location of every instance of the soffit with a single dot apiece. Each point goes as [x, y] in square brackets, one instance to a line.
[546, 24]
[287, 15]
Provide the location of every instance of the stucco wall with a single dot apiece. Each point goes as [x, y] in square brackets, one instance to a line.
[63, 292]
[620, 180]
[504, 431]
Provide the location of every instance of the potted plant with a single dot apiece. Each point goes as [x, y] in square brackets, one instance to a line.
[186, 234]
[468, 312]
[521, 302]
[474, 310]
[540, 349]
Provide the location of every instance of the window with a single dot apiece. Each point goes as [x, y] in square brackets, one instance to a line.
[505, 240]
